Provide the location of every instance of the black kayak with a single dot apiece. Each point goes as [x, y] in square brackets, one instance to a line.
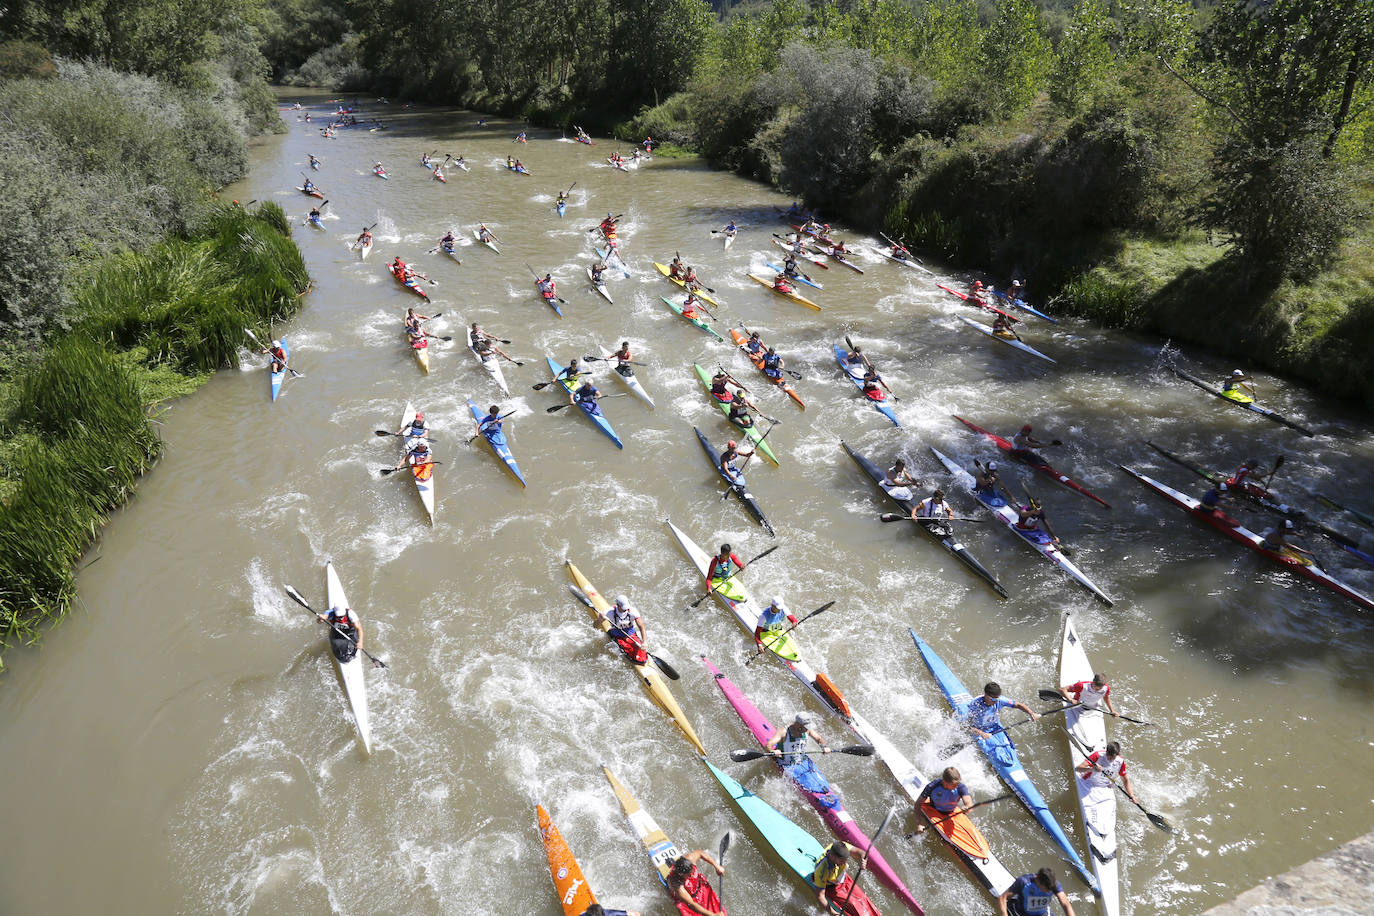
[740, 488]
[937, 530]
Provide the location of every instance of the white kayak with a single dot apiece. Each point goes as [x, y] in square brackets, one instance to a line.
[351, 671]
[477, 234]
[364, 250]
[424, 477]
[1096, 805]
[599, 287]
[491, 363]
[631, 381]
[729, 239]
[1009, 341]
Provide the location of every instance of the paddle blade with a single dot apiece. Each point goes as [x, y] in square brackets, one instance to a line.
[666, 668]
[858, 750]
[1159, 822]
[1046, 694]
[743, 754]
[724, 847]
[296, 597]
[893, 517]
[573, 589]
[382, 432]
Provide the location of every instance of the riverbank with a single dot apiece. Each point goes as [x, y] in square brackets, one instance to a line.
[1335, 884]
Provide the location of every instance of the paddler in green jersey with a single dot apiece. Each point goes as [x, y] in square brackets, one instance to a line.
[830, 871]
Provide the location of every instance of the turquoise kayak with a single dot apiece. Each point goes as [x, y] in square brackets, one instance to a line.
[587, 408]
[696, 321]
[276, 377]
[1001, 753]
[497, 441]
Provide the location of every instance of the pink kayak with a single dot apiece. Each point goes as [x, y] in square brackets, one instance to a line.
[812, 784]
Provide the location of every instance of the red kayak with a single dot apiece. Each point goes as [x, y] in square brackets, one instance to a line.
[1042, 467]
[974, 300]
[412, 284]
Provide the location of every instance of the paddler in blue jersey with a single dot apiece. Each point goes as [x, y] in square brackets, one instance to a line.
[788, 744]
[586, 397]
[772, 620]
[597, 909]
[945, 796]
[773, 365]
[754, 344]
[489, 425]
[1031, 895]
[983, 717]
[1211, 500]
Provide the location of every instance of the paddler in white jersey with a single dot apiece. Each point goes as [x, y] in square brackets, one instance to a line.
[347, 636]
[787, 744]
[933, 506]
[1100, 769]
[1092, 694]
[897, 480]
[772, 620]
[627, 628]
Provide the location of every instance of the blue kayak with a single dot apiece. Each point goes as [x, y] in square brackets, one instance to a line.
[884, 408]
[777, 268]
[587, 407]
[497, 441]
[1001, 753]
[277, 377]
[1025, 307]
[562, 207]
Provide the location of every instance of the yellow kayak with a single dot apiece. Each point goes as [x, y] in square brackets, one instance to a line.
[701, 293]
[795, 297]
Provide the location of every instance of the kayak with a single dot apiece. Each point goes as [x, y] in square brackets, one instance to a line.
[498, 443]
[648, 675]
[412, 284]
[618, 165]
[315, 221]
[1366, 520]
[1024, 306]
[824, 240]
[1233, 530]
[1097, 806]
[797, 278]
[492, 363]
[477, 234]
[803, 256]
[381, 173]
[740, 341]
[561, 207]
[938, 531]
[601, 422]
[276, 378]
[420, 348]
[364, 250]
[737, 485]
[313, 192]
[550, 298]
[884, 408]
[905, 262]
[439, 177]
[452, 252]
[521, 170]
[752, 432]
[351, 666]
[979, 303]
[462, 165]
[797, 849]
[1267, 499]
[424, 476]
[1243, 400]
[1009, 341]
[729, 239]
[699, 322]
[795, 297]
[838, 257]
[815, 789]
[700, 291]
[662, 851]
[605, 255]
[1037, 540]
[1042, 467]
[600, 287]
[626, 375]
[574, 893]
[1001, 753]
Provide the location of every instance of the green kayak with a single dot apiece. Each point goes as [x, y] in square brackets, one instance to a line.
[696, 321]
[751, 432]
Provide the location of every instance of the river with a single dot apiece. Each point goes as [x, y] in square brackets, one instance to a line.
[183, 738]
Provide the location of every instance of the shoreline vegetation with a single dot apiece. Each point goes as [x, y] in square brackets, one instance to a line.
[126, 282]
[1199, 169]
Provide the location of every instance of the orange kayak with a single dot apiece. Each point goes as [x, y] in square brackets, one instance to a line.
[757, 360]
[573, 891]
[961, 832]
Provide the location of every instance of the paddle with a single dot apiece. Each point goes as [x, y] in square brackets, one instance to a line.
[479, 430]
[731, 378]
[383, 432]
[1035, 504]
[1269, 478]
[296, 596]
[425, 464]
[607, 359]
[537, 281]
[898, 517]
[952, 749]
[732, 575]
[540, 386]
[857, 750]
[949, 817]
[864, 356]
[662, 665]
[720, 860]
[779, 638]
[734, 485]
[598, 225]
[1046, 693]
[354, 245]
[1155, 819]
[864, 863]
[557, 407]
[294, 373]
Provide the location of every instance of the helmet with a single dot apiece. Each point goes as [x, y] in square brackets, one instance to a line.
[548, 276]
[992, 465]
[1222, 488]
[622, 601]
[803, 719]
[1026, 428]
[610, 215]
[277, 344]
[977, 284]
[732, 444]
[1288, 525]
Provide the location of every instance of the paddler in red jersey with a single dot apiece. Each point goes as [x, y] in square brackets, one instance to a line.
[829, 873]
[1250, 470]
[1101, 769]
[781, 285]
[608, 226]
[872, 382]
[689, 888]
[278, 355]
[1092, 694]
[346, 637]
[689, 307]
[1023, 443]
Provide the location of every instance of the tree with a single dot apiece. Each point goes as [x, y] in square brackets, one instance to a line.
[655, 45]
[1084, 60]
[825, 153]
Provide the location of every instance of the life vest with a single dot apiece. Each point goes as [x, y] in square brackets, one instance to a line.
[828, 873]
[792, 747]
[417, 428]
[1028, 523]
[622, 618]
[341, 619]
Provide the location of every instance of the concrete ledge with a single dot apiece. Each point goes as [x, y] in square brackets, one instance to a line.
[1340, 883]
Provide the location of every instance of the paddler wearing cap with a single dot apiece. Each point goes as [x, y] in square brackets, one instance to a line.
[773, 620]
[627, 628]
[1278, 540]
[830, 871]
[1211, 500]
[1022, 444]
[727, 460]
[278, 355]
[1238, 383]
[689, 888]
[788, 744]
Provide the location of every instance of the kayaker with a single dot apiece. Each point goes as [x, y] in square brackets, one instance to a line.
[548, 286]
[739, 414]
[413, 319]
[608, 225]
[798, 244]
[447, 242]
[945, 795]
[830, 871]
[1017, 291]
[597, 909]
[563, 197]
[900, 251]
[985, 482]
[1101, 769]
[728, 456]
[310, 188]
[398, 267]
[314, 216]
[896, 480]
[364, 238]
[521, 138]
[490, 425]
[1022, 444]
[587, 396]
[689, 276]
[438, 173]
[1029, 518]
[975, 292]
[983, 715]
[933, 506]
[347, 636]
[417, 428]
[424, 159]
[519, 166]
[598, 269]
[872, 385]
[1001, 326]
[788, 744]
[789, 266]
[485, 343]
[483, 234]
[675, 268]
[1247, 475]
[314, 162]
[772, 365]
[1031, 895]
[627, 629]
[724, 565]
[774, 619]
[720, 390]
[460, 162]
[510, 163]
[838, 249]
[781, 285]
[1211, 500]
[1277, 539]
[569, 373]
[1237, 382]
[623, 359]
[754, 344]
[377, 168]
[730, 229]
[417, 456]
[689, 307]
[278, 355]
[1093, 694]
[688, 887]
